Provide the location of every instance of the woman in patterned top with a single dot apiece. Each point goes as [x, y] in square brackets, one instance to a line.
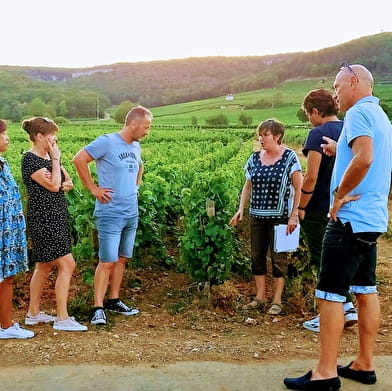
[13, 245]
[273, 185]
[48, 222]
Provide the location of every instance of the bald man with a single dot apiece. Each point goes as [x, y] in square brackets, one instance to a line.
[359, 194]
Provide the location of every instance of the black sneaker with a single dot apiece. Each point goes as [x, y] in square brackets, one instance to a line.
[99, 316]
[121, 308]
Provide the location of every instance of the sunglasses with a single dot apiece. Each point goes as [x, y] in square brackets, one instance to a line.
[347, 65]
[46, 119]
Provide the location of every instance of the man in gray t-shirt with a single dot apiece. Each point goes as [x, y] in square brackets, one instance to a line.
[119, 169]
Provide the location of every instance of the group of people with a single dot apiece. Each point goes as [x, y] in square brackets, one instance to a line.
[119, 169]
[340, 203]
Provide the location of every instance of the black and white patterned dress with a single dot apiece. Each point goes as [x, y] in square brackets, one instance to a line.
[47, 214]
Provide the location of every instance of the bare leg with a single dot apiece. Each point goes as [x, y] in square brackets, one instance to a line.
[260, 288]
[66, 266]
[6, 294]
[369, 323]
[38, 280]
[116, 278]
[278, 290]
[331, 328]
[101, 281]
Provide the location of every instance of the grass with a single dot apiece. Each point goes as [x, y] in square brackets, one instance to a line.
[290, 94]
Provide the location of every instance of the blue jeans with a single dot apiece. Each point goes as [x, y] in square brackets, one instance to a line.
[116, 237]
[348, 262]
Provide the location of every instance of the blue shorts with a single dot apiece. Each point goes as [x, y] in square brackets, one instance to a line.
[348, 262]
[116, 237]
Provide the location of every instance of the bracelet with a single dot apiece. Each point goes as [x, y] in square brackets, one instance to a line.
[55, 158]
[301, 208]
[336, 194]
[307, 192]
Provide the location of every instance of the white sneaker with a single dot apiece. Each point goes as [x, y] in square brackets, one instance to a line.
[39, 318]
[69, 324]
[15, 331]
[312, 324]
[350, 319]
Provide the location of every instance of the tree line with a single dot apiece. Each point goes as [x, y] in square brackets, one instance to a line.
[75, 93]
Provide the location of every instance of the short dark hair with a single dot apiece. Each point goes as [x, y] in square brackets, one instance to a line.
[137, 112]
[322, 100]
[3, 126]
[274, 126]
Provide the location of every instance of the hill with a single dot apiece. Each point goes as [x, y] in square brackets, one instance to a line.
[79, 92]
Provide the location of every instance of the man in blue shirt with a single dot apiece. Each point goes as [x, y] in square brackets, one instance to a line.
[360, 185]
[119, 169]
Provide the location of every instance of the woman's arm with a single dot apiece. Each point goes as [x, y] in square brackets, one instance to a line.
[49, 180]
[296, 179]
[245, 195]
[309, 182]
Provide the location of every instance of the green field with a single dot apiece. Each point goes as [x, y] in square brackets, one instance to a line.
[290, 94]
[185, 166]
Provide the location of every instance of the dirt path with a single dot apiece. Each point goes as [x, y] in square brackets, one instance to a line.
[184, 376]
[179, 342]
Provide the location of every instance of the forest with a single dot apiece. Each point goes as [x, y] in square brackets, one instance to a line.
[88, 92]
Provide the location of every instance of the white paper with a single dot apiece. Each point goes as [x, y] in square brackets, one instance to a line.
[284, 242]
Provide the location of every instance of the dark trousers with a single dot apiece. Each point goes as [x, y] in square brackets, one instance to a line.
[261, 240]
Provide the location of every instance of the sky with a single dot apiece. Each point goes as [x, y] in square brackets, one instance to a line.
[86, 33]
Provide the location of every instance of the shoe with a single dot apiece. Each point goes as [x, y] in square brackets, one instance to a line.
[99, 316]
[15, 331]
[304, 383]
[312, 324]
[31, 320]
[365, 377]
[69, 324]
[121, 308]
[350, 317]
[255, 304]
[275, 309]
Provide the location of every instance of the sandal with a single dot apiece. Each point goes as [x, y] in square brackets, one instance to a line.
[275, 309]
[255, 304]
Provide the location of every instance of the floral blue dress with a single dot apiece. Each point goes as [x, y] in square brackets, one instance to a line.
[13, 244]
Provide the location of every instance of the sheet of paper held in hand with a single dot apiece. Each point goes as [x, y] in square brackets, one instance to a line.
[284, 242]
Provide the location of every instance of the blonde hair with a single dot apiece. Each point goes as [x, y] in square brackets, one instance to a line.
[137, 112]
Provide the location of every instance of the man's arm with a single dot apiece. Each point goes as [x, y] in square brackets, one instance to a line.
[81, 161]
[362, 148]
[140, 174]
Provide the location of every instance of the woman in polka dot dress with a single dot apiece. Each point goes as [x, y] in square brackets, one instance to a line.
[47, 222]
[273, 185]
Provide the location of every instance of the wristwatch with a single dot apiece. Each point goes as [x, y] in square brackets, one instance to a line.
[336, 193]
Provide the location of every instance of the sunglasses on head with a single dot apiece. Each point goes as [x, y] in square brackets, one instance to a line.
[46, 119]
[347, 65]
